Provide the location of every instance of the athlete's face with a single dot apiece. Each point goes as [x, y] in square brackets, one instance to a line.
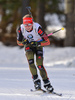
[28, 26]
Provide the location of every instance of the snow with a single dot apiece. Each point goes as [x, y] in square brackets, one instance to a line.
[15, 77]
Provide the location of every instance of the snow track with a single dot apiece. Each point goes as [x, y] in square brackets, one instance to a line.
[15, 77]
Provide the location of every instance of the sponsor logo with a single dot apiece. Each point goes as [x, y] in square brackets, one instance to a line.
[30, 36]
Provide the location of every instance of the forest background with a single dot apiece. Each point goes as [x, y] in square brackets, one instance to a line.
[51, 14]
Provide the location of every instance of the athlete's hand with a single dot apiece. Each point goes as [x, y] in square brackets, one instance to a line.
[35, 44]
[24, 41]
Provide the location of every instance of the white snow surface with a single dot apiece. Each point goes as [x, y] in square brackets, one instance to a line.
[16, 80]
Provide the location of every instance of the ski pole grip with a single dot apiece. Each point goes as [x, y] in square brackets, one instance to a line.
[49, 34]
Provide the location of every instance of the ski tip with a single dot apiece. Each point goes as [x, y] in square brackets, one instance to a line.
[31, 90]
[62, 28]
[60, 94]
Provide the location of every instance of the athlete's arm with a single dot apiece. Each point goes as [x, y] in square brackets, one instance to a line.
[44, 36]
[19, 37]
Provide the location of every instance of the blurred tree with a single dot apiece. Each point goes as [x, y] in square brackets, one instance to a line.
[70, 17]
[10, 12]
[25, 3]
[41, 13]
[3, 18]
[38, 11]
[52, 6]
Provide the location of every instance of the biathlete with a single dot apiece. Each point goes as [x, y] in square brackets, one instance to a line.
[28, 35]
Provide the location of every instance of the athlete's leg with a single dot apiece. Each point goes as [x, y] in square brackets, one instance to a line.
[43, 73]
[30, 58]
[39, 62]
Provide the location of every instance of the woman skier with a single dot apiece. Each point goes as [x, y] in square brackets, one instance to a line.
[29, 35]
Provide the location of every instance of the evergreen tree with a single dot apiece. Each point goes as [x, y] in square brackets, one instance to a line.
[70, 33]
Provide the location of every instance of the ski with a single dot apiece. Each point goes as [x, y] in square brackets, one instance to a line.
[44, 91]
[59, 94]
[38, 90]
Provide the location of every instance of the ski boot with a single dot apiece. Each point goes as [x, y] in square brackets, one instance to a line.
[48, 85]
[37, 83]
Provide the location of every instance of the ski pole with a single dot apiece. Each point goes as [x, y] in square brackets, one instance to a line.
[55, 31]
[52, 33]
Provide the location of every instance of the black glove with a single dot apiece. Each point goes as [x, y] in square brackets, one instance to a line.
[35, 44]
[24, 41]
